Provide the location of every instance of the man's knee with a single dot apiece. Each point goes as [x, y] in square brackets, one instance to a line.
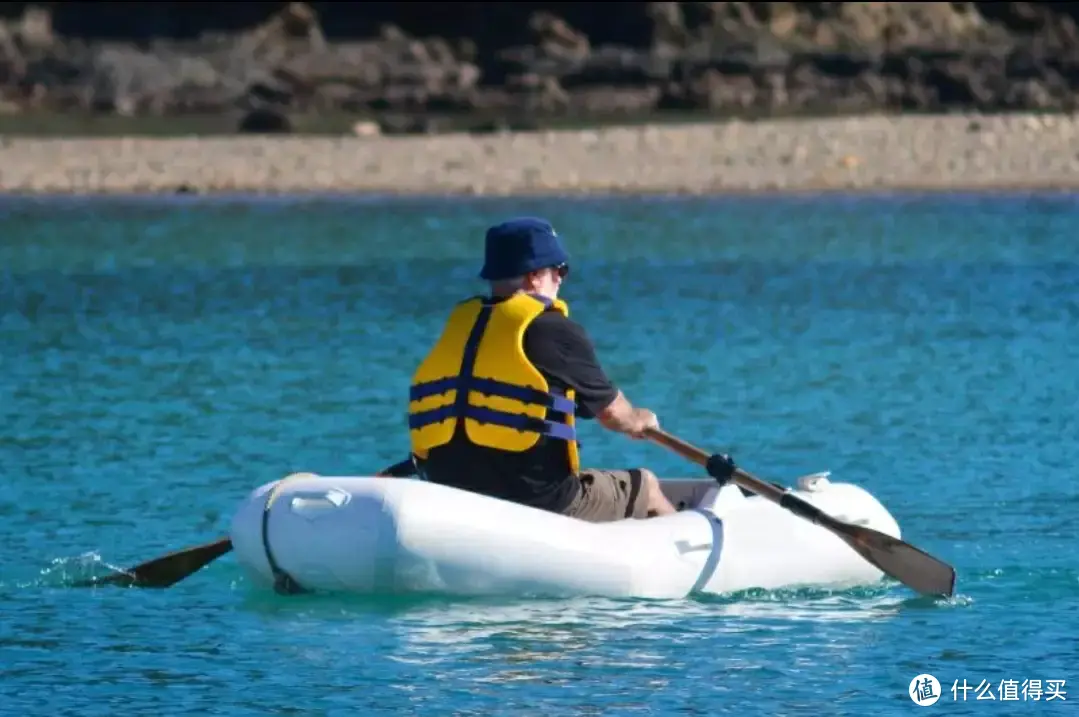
[651, 484]
[654, 496]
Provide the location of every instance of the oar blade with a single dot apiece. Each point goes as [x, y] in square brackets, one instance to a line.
[911, 566]
[167, 570]
[914, 568]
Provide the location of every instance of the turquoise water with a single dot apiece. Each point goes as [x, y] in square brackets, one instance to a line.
[161, 357]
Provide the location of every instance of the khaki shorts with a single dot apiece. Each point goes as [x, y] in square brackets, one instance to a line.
[609, 495]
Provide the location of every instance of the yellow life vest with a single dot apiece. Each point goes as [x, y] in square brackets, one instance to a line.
[478, 373]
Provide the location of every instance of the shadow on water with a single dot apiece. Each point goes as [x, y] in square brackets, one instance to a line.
[807, 604]
[882, 600]
[477, 615]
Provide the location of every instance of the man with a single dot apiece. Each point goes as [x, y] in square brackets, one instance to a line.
[532, 371]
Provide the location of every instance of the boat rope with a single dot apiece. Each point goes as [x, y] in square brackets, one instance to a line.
[283, 583]
[712, 561]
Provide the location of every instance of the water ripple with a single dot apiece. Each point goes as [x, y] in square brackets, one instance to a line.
[159, 358]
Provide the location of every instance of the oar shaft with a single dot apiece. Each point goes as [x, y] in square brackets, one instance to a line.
[696, 455]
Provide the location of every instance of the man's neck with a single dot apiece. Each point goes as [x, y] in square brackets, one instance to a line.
[502, 294]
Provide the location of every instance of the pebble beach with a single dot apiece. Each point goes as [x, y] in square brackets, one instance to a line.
[950, 152]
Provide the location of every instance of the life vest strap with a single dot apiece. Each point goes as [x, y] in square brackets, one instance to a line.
[492, 387]
[495, 417]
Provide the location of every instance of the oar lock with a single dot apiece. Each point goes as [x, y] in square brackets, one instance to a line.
[814, 482]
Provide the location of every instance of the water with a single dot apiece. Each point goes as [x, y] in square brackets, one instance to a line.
[162, 357]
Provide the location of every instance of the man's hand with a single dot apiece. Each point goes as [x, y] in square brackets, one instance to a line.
[721, 467]
[623, 417]
[644, 421]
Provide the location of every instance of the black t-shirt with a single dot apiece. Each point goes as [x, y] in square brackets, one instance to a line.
[562, 351]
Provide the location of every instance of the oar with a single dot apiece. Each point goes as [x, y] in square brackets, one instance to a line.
[914, 568]
[170, 569]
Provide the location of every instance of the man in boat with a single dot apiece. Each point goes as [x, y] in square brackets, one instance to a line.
[531, 371]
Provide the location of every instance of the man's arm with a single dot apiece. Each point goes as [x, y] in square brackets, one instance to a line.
[561, 349]
[622, 416]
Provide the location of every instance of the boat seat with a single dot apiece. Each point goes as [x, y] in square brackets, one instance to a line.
[687, 493]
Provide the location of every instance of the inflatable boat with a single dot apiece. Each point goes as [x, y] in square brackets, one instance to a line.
[378, 535]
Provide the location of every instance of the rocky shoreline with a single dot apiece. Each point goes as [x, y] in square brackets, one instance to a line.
[424, 67]
[462, 97]
[966, 152]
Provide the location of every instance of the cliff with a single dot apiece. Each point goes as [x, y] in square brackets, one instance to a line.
[413, 66]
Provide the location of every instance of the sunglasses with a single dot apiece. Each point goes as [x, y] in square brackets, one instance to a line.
[562, 269]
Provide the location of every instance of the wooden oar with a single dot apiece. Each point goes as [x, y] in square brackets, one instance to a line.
[170, 569]
[914, 568]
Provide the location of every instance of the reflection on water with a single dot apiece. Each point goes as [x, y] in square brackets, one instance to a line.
[552, 640]
[623, 655]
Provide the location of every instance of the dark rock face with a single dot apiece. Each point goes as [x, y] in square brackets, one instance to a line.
[517, 64]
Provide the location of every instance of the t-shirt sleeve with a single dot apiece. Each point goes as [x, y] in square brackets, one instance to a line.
[562, 350]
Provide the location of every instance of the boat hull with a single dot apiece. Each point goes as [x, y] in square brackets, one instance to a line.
[377, 535]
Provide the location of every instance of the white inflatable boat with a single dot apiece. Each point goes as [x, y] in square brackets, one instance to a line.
[399, 535]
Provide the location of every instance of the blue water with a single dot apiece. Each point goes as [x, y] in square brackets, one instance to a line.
[161, 357]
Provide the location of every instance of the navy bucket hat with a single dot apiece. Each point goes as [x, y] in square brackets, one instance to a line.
[519, 246]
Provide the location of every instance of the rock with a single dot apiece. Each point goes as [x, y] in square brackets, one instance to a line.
[582, 60]
[403, 124]
[296, 21]
[613, 102]
[366, 129]
[35, 28]
[555, 36]
[264, 121]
